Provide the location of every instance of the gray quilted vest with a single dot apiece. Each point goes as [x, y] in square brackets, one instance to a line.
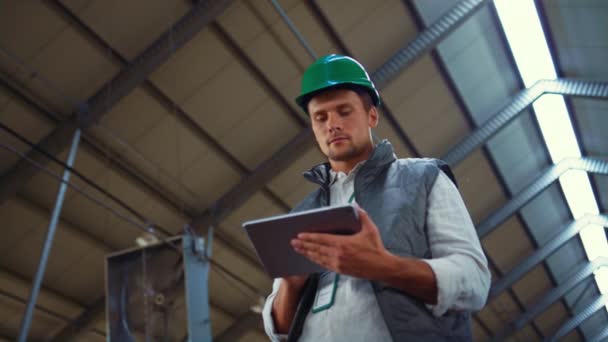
[394, 193]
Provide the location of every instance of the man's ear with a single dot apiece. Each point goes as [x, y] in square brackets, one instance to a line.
[373, 117]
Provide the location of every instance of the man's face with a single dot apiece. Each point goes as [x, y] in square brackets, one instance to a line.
[341, 124]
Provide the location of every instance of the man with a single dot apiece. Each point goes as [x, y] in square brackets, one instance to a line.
[415, 271]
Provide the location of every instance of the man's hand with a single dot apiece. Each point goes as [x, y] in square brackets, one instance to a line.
[363, 255]
[360, 255]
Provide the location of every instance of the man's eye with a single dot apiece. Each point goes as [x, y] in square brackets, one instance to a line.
[345, 112]
[320, 118]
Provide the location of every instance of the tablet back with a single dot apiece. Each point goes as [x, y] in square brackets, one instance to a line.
[271, 237]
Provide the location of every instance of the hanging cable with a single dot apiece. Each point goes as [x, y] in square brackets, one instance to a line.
[147, 226]
[32, 73]
[76, 188]
[71, 169]
[127, 219]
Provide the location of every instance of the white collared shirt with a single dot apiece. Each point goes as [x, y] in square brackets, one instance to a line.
[460, 267]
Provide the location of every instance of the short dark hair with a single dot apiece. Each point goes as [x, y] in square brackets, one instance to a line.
[363, 93]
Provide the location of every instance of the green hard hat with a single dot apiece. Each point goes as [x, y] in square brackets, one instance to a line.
[331, 71]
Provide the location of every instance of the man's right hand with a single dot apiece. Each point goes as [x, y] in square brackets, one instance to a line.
[286, 302]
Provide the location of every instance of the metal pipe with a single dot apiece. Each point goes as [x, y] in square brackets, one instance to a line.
[293, 29]
[48, 243]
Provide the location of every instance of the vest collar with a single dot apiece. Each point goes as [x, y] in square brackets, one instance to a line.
[381, 155]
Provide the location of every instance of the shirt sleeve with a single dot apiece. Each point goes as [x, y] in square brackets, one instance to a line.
[458, 261]
[267, 314]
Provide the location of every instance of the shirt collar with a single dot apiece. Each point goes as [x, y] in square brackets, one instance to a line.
[334, 176]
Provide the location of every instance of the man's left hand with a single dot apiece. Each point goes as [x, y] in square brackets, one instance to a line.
[360, 255]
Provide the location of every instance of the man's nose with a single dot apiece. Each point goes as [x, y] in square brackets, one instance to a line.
[334, 122]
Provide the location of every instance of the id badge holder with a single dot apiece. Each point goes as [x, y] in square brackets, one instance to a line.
[326, 293]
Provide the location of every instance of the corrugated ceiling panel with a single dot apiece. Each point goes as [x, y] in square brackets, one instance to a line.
[478, 185]
[273, 47]
[573, 336]
[582, 295]
[379, 33]
[566, 259]
[533, 286]
[218, 96]
[594, 324]
[257, 137]
[546, 214]
[508, 245]
[592, 120]
[31, 19]
[70, 250]
[479, 334]
[549, 321]
[130, 26]
[43, 325]
[209, 177]
[133, 116]
[497, 313]
[289, 184]
[69, 68]
[20, 118]
[577, 29]
[520, 153]
[527, 333]
[258, 206]
[192, 66]
[429, 114]
[48, 300]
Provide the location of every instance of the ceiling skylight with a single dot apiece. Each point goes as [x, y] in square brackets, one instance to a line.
[524, 33]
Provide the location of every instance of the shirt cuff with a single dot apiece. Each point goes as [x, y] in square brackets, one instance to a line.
[447, 286]
[269, 321]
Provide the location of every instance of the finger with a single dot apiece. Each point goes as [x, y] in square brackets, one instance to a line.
[317, 258]
[311, 246]
[321, 238]
[363, 216]
[366, 222]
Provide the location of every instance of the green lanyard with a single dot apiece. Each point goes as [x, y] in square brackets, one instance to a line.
[327, 287]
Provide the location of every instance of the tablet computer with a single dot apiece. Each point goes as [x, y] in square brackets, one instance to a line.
[271, 237]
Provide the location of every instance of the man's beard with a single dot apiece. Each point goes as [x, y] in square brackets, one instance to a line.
[351, 152]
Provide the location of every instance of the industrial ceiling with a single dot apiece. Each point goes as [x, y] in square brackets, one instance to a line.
[187, 117]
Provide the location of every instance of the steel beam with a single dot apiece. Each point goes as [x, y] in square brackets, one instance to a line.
[517, 105]
[112, 92]
[601, 336]
[258, 178]
[567, 233]
[175, 108]
[426, 40]
[132, 173]
[239, 327]
[577, 320]
[551, 297]
[590, 165]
